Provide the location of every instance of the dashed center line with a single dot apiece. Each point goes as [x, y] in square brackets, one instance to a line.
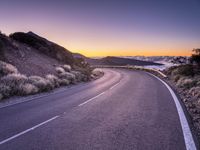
[26, 131]
[114, 86]
[98, 95]
[51, 119]
[91, 99]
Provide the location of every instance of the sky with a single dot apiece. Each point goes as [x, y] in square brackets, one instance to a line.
[109, 27]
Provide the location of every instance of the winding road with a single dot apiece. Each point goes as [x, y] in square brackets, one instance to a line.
[123, 110]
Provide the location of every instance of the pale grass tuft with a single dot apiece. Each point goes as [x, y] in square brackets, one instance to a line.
[27, 89]
[53, 80]
[185, 83]
[60, 70]
[67, 68]
[42, 83]
[6, 68]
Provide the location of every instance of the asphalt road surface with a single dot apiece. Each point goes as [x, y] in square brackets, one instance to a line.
[123, 110]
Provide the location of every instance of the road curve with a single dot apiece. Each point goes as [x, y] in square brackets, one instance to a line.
[122, 110]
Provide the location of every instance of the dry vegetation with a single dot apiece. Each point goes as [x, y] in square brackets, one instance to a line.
[186, 79]
[12, 82]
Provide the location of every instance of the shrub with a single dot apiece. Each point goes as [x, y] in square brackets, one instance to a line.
[78, 75]
[186, 83]
[27, 88]
[5, 90]
[60, 70]
[97, 72]
[63, 82]
[14, 79]
[186, 70]
[176, 78]
[10, 84]
[53, 80]
[69, 76]
[196, 56]
[41, 83]
[195, 91]
[67, 68]
[6, 69]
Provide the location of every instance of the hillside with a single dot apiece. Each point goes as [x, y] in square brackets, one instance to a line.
[32, 54]
[118, 61]
[30, 64]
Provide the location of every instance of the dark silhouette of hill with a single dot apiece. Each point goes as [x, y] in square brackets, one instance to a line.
[117, 61]
[44, 46]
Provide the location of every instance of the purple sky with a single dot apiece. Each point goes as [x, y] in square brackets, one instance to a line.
[109, 27]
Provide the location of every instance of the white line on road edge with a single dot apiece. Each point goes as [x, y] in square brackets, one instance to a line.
[189, 141]
[28, 130]
[91, 99]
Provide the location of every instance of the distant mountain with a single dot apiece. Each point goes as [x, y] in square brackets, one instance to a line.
[162, 59]
[118, 61]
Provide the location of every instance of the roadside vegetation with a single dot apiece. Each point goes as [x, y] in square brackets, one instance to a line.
[186, 78]
[13, 83]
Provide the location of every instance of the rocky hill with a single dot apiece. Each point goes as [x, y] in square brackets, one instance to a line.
[32, 54]
[30, 64]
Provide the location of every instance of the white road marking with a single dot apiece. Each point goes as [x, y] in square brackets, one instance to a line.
[26, 131]
[114, 86]
[98, 95]
[189, 141]
[91, 99]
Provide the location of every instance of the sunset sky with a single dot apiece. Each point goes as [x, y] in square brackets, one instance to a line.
[108, 27]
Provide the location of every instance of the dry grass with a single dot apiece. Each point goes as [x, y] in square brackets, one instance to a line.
[186, 83]
[69, 76]
[67, 68]
[60, 70]
[27, 89]
[195, 91]
[6, 69]
[13, 83]
[53, 80]
[41, 83]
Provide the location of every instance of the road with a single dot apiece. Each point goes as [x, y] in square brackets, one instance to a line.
[122, 110]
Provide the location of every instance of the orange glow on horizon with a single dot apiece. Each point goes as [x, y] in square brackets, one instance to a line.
[95, 53]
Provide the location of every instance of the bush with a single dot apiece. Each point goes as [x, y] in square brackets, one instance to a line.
[176, 78]
[63, 82]
[196, 56]
[41, 83]
[53, 80]
[12, 80]
[186, 83]
[79, 76]
[69, 76]
[5, 90]
[186, 70]
[27, 89]
[6, 69]
[16, 84]
[60, 70]
[195, 91]
[67, 68]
